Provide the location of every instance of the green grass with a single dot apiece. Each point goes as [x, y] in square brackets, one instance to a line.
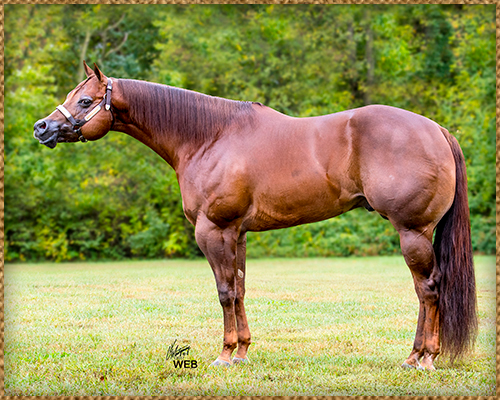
[319, 327]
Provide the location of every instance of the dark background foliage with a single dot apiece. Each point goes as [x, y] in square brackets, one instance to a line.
[116, 199]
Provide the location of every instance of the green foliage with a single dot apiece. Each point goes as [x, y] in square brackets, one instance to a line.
[352, 234]
[115, 198]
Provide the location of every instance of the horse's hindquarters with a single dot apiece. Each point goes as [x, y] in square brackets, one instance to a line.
[406, 167]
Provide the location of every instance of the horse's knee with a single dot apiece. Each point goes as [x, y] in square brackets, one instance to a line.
[227, 297]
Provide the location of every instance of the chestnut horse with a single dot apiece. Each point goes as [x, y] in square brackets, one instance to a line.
[244, 167]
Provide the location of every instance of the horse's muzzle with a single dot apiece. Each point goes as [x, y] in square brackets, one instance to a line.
[46, 133]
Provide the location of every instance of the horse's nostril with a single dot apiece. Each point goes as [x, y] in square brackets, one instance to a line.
[41, 126]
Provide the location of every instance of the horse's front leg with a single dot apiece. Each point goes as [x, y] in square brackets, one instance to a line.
[219, 246]
[241, 318]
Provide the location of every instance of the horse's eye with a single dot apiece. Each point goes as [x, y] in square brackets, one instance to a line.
[85, 102]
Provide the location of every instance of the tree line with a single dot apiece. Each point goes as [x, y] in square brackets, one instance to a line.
[116, 199]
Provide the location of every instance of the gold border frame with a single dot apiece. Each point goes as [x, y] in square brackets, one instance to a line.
[467, 2]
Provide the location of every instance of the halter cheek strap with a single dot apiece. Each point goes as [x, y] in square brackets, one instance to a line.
[78, 123]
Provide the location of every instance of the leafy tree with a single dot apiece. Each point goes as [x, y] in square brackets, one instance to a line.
[93, 201]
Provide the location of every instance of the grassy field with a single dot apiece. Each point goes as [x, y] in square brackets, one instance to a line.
[319, 327]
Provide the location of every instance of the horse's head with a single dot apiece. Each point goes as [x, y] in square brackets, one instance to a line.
[85, 115]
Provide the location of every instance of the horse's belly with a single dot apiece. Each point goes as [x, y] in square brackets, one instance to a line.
[278, 205]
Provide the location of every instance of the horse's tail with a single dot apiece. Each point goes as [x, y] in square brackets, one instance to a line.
[453, 248]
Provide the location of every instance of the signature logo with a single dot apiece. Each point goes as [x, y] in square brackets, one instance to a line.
[174, 351]
[177, 354]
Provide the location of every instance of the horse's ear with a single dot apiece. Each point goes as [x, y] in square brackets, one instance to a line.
[97, 72]
[88, 70]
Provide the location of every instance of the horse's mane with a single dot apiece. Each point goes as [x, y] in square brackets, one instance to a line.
[189, 115]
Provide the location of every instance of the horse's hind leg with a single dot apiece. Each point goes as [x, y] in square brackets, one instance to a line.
[418, 252]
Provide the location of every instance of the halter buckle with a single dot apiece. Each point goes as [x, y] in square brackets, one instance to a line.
[81, 138]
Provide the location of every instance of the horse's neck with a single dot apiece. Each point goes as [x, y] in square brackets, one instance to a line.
[168, 151]
[174, 122]
[160, 141]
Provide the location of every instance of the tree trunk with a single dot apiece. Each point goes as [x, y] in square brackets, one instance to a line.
[83, 53]
[370, 62]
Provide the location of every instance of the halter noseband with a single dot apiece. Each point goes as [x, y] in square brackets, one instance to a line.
[78, 123]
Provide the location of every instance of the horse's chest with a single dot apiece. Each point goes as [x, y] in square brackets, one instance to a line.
[222, 201]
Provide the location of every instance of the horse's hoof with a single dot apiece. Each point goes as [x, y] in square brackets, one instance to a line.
[220, 363]
[237, 360]
[411, 366]
[427, 363]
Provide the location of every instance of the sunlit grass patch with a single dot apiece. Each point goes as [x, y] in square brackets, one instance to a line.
[319, 327]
